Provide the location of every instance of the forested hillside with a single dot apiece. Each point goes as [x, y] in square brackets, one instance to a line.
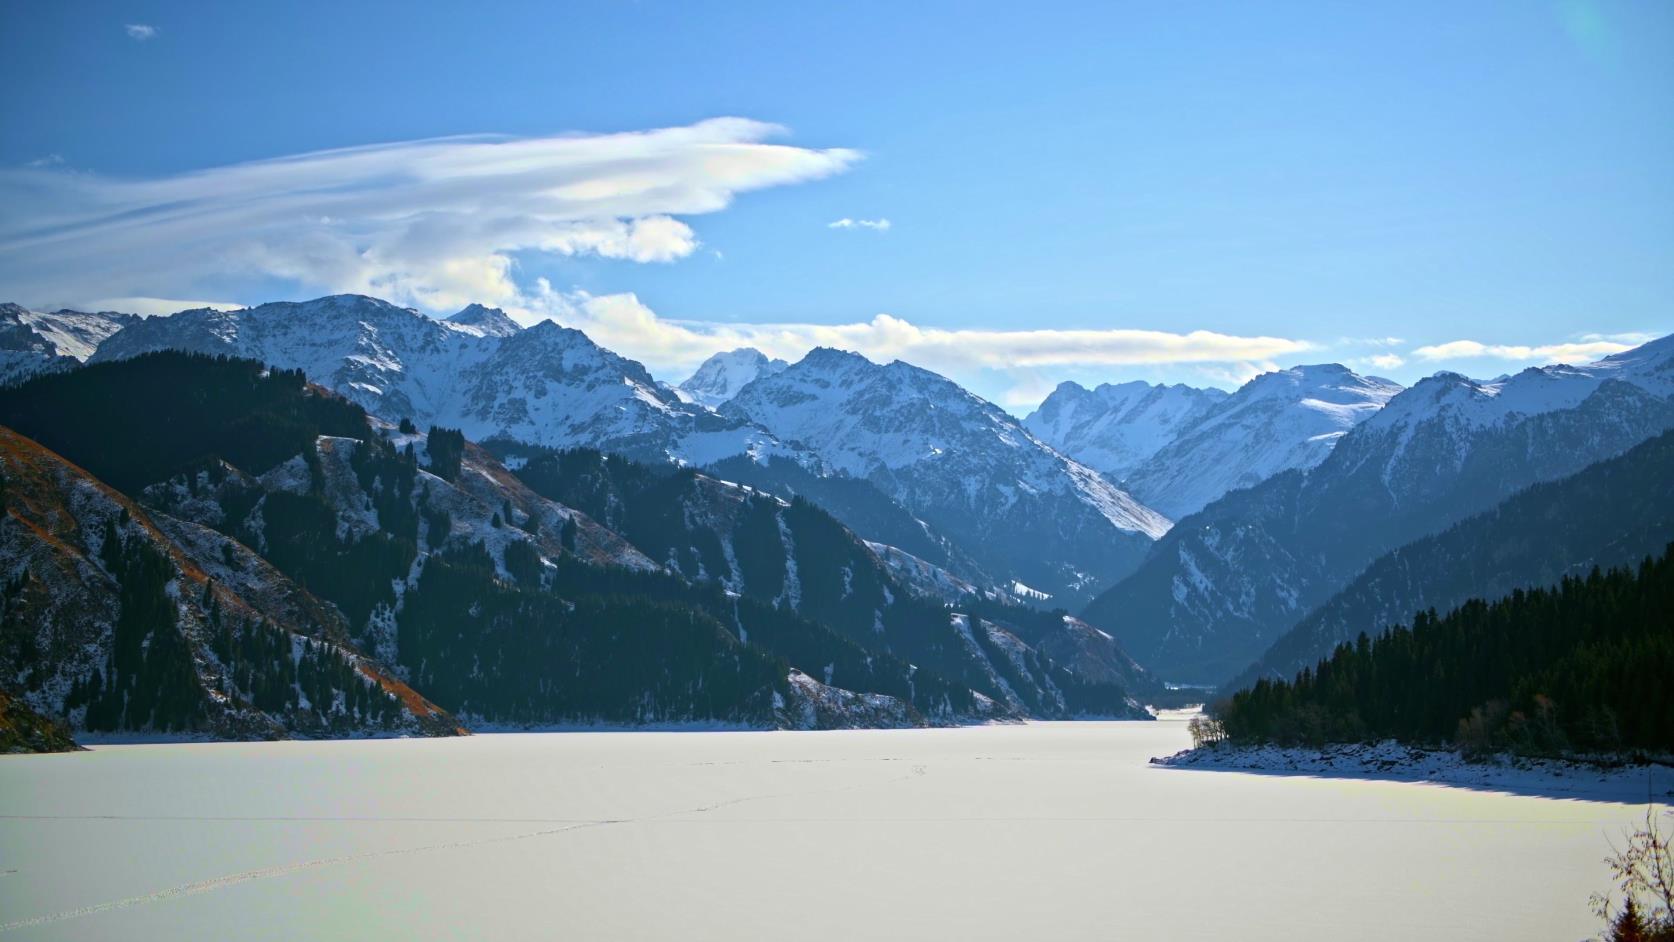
[423, 560]
[1613, 513]
[1581, 666]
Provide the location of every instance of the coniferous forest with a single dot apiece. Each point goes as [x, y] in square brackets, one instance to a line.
[1582, 666]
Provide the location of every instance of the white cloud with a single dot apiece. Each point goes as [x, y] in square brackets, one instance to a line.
[434, 223]
[1633, 337]
[1384, 361]
[879, 225]
[140, 32]
[670, 347]
[1580, 352]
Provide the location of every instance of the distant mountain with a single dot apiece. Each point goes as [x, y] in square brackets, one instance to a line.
[1614, 513]
[1226, 582]
[1115, 428]
[1289, 419]
[720, 377]
[961, 464]
[545, 385]
[34, 342]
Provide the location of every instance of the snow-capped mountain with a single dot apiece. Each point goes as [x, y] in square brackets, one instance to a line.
[478, 371]
[720, 377]
[1286, 419]
[487, 321]
[1228, 580]
[547, 386]
[960, 463]
[33, 342]
[1115, 427]
[472, 583]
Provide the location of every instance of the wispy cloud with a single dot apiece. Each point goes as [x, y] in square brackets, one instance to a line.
[878, 225]
[622, 322]
[433, 223]
[1576, 352]
[140, 32]
[1633, 337]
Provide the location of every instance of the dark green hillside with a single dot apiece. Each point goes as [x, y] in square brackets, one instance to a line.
[135, 422]
[1610, 514]
[1584, 665]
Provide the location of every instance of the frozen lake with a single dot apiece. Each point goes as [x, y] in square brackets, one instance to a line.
[1055, 830]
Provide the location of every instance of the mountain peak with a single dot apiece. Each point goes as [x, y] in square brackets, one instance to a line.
[489, 321]
[833, 358]
[720, 377]
[1116, 426]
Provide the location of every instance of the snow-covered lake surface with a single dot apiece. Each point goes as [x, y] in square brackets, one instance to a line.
[1045, 831]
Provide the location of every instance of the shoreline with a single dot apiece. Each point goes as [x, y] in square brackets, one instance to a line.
[1631, 783]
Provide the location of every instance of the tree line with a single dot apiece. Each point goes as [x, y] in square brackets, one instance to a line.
[1582, 666]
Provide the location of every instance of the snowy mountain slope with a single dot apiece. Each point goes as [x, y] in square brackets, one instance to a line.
[393, 361]
[720, 377]
[790, 555]
[486, 321]
[1614, 513]
[1278, 421]
[33, 342]
[120, 619]
[548, 386]
[478, 590]
[859, 504]
[925, 578]
[1115, 428]
[1229, 580]
[1093, 653]
[958, 462]
[552, 386]
[545, 385]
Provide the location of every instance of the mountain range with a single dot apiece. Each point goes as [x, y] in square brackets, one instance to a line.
[924, 443]
[1226, 582]
[464, 509]
[307, 533]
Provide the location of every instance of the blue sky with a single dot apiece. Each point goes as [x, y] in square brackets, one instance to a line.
[1161, 191]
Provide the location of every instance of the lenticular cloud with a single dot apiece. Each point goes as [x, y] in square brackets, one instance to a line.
[429, 222]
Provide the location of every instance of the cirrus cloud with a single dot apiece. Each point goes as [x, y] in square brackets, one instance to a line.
[432, 223]
[140, 32]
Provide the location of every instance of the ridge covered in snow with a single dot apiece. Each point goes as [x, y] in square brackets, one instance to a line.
[720, 377]
[1113, 428]
[958, 461]
[544, 385]
[486, 321]
[1276, 422]
[33, 342]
